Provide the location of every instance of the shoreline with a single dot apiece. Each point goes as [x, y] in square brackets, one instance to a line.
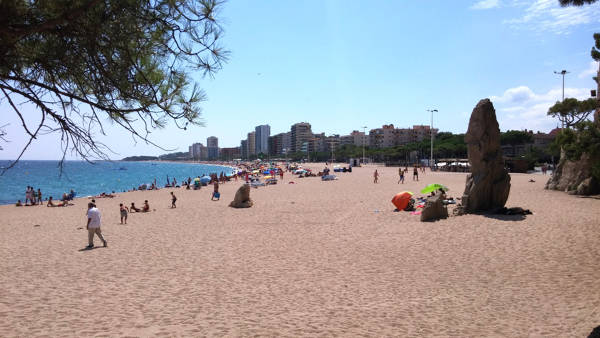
[77, 187]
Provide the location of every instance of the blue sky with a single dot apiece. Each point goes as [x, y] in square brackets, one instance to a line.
[341, 65]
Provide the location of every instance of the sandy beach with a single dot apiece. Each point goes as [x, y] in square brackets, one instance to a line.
[309, 259]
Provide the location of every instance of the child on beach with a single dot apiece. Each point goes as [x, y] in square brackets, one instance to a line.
[415, 174]
[123, 210]
[173, 200]
[375, 176]
[133, 208]
[146, 206]
[215, 193]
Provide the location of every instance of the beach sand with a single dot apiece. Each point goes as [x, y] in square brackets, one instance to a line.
[309, 259]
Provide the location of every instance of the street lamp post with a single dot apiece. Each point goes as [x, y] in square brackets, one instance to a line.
[563, 73]
[363, 141]
[431, 137]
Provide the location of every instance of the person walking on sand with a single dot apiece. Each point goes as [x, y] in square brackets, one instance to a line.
[93, 225]
[401, 174]
[173, 200]
[216, 193]
[415, 174]
[375, 176]
[123, 210]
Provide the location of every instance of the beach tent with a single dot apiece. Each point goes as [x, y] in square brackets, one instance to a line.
[400, 201]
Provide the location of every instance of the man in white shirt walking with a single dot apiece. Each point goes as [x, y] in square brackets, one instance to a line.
[93, 225]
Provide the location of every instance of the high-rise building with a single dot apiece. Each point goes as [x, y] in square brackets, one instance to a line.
[251, 143]
[262, 134]
[198, 151]
[212, 144]
[301, 134]
[286, 143]
[244, 149]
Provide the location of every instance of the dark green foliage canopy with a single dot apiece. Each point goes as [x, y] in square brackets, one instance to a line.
[85, 62]
[515, 137]
[584, 139]
[572, 111]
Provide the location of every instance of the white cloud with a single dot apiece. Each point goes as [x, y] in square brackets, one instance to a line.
[590, 72]
[521, 108]
[485, 4]
[549, 16]
[515, 95]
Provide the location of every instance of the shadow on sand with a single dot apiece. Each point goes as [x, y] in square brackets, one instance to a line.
[92, 248]
[506, 218]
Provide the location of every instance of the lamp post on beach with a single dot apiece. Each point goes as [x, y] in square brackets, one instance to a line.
[563, 73]
[363, 141]
[431, 136]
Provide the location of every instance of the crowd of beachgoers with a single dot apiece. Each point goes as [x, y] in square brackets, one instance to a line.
[254, 173]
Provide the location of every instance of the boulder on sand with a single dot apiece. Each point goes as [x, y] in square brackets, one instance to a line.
[434, 209]
[242, 198]
[488, 184]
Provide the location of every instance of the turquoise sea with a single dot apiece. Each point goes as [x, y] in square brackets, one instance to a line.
[92, 179]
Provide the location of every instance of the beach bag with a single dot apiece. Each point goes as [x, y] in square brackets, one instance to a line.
[411, 205]
[216, 194]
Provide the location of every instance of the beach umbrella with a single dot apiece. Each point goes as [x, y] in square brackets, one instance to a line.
[433, 187]
[400, 201]
[205, 179]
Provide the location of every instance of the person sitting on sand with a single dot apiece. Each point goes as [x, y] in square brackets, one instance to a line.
[146, 206]
[134, 208]
[51, 203]
[19, 204]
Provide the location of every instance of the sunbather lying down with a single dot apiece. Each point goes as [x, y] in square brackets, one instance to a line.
[103, 195]
[59, 204]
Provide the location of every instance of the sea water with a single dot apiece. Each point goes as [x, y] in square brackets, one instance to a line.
[88, 179]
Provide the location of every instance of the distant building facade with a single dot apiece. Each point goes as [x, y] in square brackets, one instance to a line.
[212, 145]
[229, 154]
[198, 152]
[301, 135]
[251, 143]
[262, 134]
[244, 149]
[389, 136]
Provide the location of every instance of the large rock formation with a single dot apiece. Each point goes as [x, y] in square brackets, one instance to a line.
[574, 177]
[488, 184]
[434, 209]
[242, 198]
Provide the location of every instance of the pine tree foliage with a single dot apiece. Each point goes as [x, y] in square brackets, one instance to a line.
[84, 63]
